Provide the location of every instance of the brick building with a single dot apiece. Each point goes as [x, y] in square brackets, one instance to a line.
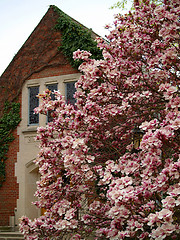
[38, 65]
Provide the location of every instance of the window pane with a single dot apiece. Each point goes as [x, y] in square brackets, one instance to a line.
[51, 87]
[33, 103]
[70, 91]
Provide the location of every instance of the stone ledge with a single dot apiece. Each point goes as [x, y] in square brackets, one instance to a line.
[11, 236]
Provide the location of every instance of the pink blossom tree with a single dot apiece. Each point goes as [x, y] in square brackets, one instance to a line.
[95, 181]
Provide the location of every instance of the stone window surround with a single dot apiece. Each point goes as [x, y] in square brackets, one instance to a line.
[42, 83]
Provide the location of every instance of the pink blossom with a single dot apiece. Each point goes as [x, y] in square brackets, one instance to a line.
[81, 54]
[165, 214]
[62, 224]
[70, 214]
[168, 202]
[152, 218]
[163, 231]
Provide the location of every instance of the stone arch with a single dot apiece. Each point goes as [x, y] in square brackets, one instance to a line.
[31, 177]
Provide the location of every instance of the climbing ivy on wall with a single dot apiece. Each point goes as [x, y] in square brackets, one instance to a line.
[8, 122]
[74, 37]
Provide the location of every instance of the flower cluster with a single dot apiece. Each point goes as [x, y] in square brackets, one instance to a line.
[94, 181]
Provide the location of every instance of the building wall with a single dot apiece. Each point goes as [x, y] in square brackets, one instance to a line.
[38, 61]
[17, 192]
[9, 192]
[26, 171]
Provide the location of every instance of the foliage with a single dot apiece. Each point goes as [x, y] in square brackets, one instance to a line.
[122, 4]
[125, 5]
[75, 36]
[8, 123]
[114, 190]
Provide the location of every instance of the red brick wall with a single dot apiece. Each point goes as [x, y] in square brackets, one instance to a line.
[9, 192]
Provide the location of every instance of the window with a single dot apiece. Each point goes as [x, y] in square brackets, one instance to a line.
[70, 91]
[51, 87]
[33, 103]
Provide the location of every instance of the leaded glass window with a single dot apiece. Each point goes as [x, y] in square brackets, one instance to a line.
[33, 103]
[52, 88]
[70, 91]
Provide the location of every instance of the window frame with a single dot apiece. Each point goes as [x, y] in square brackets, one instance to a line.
[50, 84]
[70, 82]
[29, 106]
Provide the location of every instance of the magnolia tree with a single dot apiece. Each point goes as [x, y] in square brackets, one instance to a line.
[95, 183]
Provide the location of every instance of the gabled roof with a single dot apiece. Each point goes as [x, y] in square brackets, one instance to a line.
[42, 54]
